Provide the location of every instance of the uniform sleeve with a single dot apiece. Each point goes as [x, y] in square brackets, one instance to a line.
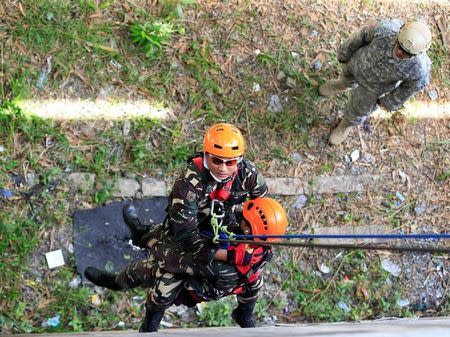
[183, 219]
[420, 79]
[357, 40]
[254, 181]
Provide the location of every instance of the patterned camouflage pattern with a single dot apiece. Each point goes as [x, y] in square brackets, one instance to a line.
[180, 258]
[378, 74]
[166, 287]
[179, 236]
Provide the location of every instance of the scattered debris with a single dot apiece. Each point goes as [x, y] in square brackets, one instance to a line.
[420, 208]
[2, 148]
[290, 82]
[6, 193]
[390, 267]
[368, 158]
[126, 127]
[433, 95]
[75, 283]
[313, 33]
[281, 75]
[403, 176]
[96, 300]
[400, 198]
[402, 303]
[342, 305]
[300, 202]
[45, 71]
[275, 104]
[51, 322]
[55, 259]
[354, 156]
[316, 65]
[138, 298]
[297, 157]
[324, 269]
[256, 87]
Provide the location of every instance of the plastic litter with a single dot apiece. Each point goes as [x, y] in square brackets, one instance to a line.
[342, 305]
[2, 148]
[256, 87]
[76, 281]
[324, 269]
[301, 201]
[52, 322]
[46, 70]
[433, 95]
[96, 300]
[275, 104]
[420, 209]
[402, 303]
[354, 156]
[390, 267]
[55, 259]
[5, 193]
[400, 198]
[316, 65]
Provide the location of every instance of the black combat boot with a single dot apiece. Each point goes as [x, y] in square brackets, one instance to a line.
[102, 278]
[131, 218]
[152, 320]
[243, 314]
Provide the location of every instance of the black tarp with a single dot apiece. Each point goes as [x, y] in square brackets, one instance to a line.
[102, 239]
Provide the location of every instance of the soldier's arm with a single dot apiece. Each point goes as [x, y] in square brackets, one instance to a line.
[254, 181]
[183, 218]
[355, 41]
[395, 99]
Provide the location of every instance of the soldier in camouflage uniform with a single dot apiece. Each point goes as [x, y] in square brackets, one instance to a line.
[177, 247]
[385, 63]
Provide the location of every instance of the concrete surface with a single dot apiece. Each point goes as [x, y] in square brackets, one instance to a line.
[414, 327]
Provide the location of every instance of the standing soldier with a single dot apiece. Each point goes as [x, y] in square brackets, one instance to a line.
[384, 63]
[214, 184]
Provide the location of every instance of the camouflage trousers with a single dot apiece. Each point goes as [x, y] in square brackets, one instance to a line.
[362, 101]
[166, 287]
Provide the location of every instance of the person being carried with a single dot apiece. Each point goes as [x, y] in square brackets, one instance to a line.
[212, 187]
[384, 63]
[261, 216]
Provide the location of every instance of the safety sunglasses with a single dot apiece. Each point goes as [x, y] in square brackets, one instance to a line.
[228, 162]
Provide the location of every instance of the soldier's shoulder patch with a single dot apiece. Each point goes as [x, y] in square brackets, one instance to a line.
[190, 196]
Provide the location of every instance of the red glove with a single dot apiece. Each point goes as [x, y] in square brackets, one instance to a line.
[243, 255]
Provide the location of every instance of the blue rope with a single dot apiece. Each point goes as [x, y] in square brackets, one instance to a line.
[349, 236]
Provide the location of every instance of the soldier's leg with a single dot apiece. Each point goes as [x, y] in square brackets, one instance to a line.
[137, 228]
[139, 273]
[333, 87]
[162, 295]
[243, 313]
[227, 279]
[360, 105]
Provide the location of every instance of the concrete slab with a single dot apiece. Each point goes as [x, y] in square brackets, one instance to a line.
[411, 327]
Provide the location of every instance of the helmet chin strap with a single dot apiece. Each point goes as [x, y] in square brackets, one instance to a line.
[205, 165]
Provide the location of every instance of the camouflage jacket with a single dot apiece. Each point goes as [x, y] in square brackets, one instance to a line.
[189, 212]
[369, 56]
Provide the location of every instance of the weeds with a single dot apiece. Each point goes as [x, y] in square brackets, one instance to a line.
[151, 36]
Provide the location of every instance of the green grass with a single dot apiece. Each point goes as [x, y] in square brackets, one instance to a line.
[367, 293]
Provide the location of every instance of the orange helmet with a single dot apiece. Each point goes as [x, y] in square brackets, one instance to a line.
[224, 140]
[266, 217]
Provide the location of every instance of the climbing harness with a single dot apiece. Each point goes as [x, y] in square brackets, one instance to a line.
[218, 196]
